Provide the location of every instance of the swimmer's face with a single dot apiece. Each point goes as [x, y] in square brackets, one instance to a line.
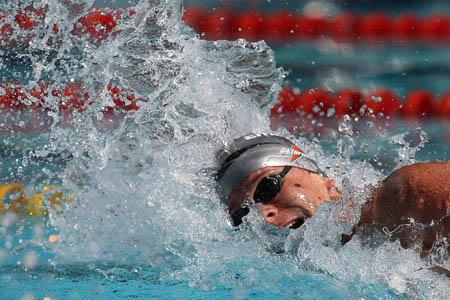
[301, 195]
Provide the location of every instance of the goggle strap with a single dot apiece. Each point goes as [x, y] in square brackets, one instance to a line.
[285, 171]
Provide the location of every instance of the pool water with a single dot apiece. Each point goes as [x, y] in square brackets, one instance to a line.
[145, 221]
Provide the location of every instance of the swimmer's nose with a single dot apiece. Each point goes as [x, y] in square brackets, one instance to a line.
[271, 214]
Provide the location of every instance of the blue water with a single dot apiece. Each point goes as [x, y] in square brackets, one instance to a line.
[246, 279]
[118, 282]
[146, 222]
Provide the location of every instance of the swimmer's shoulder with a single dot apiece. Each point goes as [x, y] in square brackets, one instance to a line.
[420, 170]
[423, 188]
[430, 176]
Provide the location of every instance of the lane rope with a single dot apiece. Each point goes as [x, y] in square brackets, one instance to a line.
[320, 103]
[345, 27]
[221, 23]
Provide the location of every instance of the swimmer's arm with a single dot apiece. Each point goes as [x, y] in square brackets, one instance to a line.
[440, 270]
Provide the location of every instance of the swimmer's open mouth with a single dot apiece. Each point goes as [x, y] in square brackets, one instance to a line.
[296, 223]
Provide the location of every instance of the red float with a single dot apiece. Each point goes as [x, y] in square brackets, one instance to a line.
[407, 28]
[14, 96]
[418, 104]
[74, 97]
[122, 100]
[38, 95]
[376, 27]
[282, 26]
[219, 24]
[382, 102]
[30, 17]
[348, 102]
[6, 98]
[289, 99]
[250, 26]
[312, 27]
[98, 24]
[443, 107]
[316, 102]
[436, 28]
[344, 27]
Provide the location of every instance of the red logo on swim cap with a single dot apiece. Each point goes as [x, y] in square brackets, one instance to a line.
[294, 151]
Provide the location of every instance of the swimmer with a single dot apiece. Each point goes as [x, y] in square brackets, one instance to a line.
[287, 187]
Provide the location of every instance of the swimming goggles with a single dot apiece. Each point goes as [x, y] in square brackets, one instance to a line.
[269, 187]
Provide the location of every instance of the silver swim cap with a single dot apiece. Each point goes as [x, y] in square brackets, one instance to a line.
[255, 151]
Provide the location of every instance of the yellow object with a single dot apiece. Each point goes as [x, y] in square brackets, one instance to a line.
[13, 198]
[6, 189]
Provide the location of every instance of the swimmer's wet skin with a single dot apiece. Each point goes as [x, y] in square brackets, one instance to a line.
[419, 192]
[287, 188]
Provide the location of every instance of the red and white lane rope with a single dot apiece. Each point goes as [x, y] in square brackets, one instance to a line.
[74, 96]
[382, 103]
[285, 26]
[279, 26]
[97, 24]
[317, 102]
[24, 109]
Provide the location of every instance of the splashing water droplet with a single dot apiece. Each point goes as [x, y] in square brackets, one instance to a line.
[376, 99]
[347, 118]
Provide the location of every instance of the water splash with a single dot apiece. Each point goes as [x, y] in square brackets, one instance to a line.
[142, 182]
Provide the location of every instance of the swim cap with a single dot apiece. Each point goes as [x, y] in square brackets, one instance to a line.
[255, 151]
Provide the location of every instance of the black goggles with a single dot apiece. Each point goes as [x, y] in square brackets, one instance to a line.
[269, 187]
